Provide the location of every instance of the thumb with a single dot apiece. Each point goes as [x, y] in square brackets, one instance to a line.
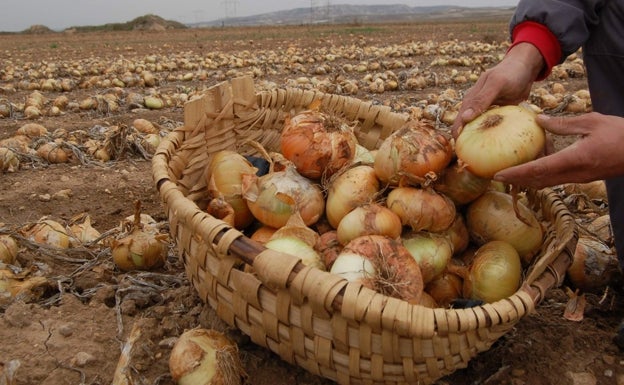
[562, 125]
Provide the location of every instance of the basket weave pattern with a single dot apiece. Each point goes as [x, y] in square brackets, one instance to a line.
[310, 318]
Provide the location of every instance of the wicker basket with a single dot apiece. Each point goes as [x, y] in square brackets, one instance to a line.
[314, 319]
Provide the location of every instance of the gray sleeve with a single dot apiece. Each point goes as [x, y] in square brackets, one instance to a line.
[569, 20]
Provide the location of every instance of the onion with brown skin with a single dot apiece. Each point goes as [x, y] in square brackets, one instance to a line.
[205, 357]
[492, 216]
[318, 143]
[348, 189]
[594, 264]
[461, 185]
[422, 208]
[369, 219]
[391, 269]
[495, 272]
[412, 155]
[273, 198]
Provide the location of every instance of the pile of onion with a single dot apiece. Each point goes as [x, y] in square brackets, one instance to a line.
[500, 138]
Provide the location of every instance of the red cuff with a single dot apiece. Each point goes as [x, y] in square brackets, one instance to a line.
[543, 39]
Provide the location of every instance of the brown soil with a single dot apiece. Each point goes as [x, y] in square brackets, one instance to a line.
[72, 329]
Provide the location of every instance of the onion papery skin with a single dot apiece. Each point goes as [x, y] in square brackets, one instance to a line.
[8, 249]
[205, 357]
[225, 175]
[431, 251]
[297, 248]
[445, 288]
[458, 234]
[318, 144]
[50, 232]
[395, 272]
[461, 185]
[499, 138]
[369, 219]
[594, 265]
[492, 217]
[422, 209]
[273, 198]
[412, 154]
[495, 273]
[348, 189]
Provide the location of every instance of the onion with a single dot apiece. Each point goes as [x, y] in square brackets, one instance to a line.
[319, 144]
[495, 272]
[53, 152]
[349, 189]
[369, 219]
[499, 138]
[225, 176]
[8, 249]
[84, 232]
[445, 288]
[205, 357]
[49, 232]
[432, 252]
[458, 234]
[412, 154]
[422, 208]
[298, 248]
[328, 247]
[593, 266]
[274, 197]
[263, 234]
[9, 162]
[382, 264]
[461, 185]
[492, 217]
[142, 249]
[428, 301]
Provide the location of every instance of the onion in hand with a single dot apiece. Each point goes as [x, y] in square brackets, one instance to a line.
[500, 138]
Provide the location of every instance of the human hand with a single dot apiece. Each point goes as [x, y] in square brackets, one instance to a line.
[597, 154]
[509, 82]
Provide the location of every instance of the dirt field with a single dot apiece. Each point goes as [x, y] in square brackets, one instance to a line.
[71, 329]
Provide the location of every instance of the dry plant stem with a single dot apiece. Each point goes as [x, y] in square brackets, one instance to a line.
[123, 373]
[515, 193]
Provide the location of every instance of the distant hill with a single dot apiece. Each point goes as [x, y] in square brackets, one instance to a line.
[346, 13]
[339, 14]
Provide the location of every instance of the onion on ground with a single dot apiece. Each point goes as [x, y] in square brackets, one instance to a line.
[594, 264]
[8, 249]
[49, 232]
[205, 357]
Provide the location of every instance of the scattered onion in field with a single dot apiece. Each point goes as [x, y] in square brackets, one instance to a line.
[49, 232]
[593, 266]
[8, 249]
[205, 357]
[9, 162]
[142, 248]
[499, 138]
[84, 232]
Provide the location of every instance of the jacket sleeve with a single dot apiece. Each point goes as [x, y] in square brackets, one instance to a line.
[567, 21]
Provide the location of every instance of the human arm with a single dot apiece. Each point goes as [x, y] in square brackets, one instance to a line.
[597, 154]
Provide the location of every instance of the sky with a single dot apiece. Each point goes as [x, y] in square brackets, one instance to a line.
[18, 15]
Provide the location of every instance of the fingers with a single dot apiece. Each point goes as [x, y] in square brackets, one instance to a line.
[577, 125]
